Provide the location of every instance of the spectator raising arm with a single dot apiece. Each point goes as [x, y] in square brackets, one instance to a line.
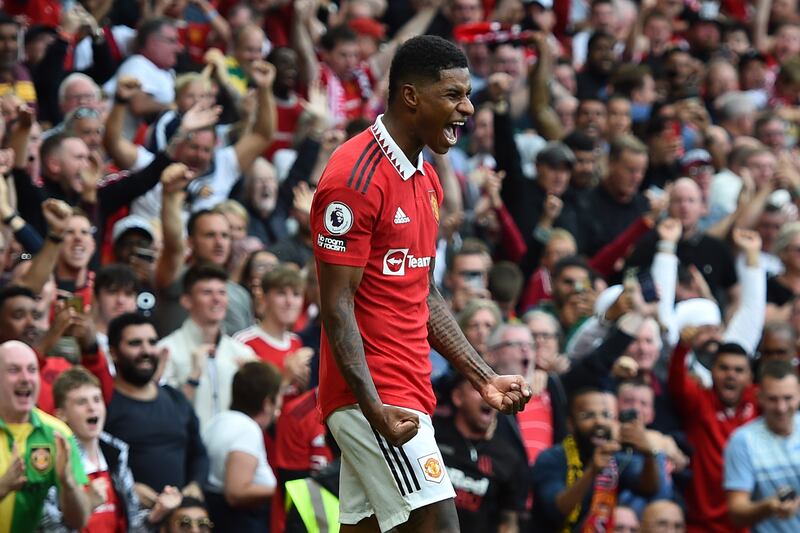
[122, 151]
[57, 214]
[541, 73]
[173, 180]
[254, 142]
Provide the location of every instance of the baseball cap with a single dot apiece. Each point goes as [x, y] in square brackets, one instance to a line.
[555, 154]
[368, 27]
[546, 4]
[132, 222]
[697, 156]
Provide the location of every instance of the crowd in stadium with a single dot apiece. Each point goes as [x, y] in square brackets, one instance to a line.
[620, 225]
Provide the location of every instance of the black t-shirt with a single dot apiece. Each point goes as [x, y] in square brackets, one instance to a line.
[778, 293]
[164, 438]
[605, 219]
[711, 256]
[488, 476]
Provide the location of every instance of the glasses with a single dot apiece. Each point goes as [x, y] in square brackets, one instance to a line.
[84, 112]
[542, 336]
[515, 344]
[185, 523]
[700, 169]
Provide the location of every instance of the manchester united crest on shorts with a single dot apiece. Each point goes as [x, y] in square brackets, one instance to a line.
[434, 205]
[41, 458]
[431, 467]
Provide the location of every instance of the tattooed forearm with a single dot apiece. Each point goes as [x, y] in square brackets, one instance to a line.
[446, 337]
[348, 350]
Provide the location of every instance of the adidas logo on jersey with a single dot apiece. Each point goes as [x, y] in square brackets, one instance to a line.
[400, 217]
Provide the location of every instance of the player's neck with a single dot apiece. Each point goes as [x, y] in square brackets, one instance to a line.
[401, 133]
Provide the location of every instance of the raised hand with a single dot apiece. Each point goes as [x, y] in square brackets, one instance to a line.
[507, 394]
[199, 117]
[747, 240]
[25, 117]
[127, 88]
[670, 230]
[175, 178]
[552, 208]
[262, 74]
[63, 448]
[499, 85]
[14, 477]
[296, 365]
[56, 214]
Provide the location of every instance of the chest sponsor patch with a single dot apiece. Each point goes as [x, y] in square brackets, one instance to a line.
[397, 260]
[338, 218]
[331, 243]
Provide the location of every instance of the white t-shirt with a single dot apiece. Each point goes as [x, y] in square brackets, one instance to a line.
[232, 431]
[157, 82]
[206, 191]
[123, 37]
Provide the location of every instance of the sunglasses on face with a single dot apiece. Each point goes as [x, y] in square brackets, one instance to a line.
[185, 523]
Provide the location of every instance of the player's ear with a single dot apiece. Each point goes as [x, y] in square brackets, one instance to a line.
[410, 95]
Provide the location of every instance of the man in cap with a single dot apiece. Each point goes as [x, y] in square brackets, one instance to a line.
[133, 241]
[536, 205]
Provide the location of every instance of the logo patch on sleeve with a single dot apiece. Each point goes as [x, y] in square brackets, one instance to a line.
[338, 218]
[331, 243]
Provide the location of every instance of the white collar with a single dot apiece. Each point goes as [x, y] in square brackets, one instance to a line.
[396, 156]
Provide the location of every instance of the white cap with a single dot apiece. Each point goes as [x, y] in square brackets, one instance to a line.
[132, 222]
[696, 312]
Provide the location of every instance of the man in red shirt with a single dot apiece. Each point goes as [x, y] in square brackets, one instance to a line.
[709, 417]
[374, 223]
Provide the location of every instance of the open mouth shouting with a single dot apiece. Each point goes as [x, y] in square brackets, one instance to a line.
[92, 422]
[451, 131]
[24, 394]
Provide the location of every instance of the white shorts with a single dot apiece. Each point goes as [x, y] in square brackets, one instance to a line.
[380, 479]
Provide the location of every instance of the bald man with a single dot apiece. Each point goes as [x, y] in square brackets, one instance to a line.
[711, 256]
[663, 515]
[37, 451]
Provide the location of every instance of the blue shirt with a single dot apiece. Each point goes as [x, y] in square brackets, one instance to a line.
[760, 462]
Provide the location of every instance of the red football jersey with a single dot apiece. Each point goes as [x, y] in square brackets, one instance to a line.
[268, 348]
[374, 209]
[299, 445]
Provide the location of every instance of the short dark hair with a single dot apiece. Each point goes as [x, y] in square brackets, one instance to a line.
[579, 141]
[13, 291]
[188, 502]
[201, 272]
[115, 277]
[71, 379]
[150, 27]
[505, 282]
[598, 36]
[570, 262]
[191, 224]
[338, 34]
[252, 384]
[776, 369]
[118, 325]
[51, 145]
[583, 391]
[422, 58]
[731, 348]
